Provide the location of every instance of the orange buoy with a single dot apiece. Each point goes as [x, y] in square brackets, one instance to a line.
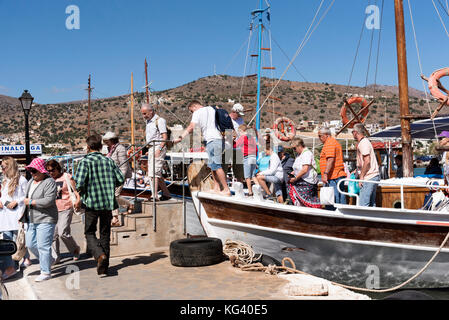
[344, 117]
[284, 129]
[131, 151]
[433, 84]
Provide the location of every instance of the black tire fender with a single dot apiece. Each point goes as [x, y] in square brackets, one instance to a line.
[196, 252]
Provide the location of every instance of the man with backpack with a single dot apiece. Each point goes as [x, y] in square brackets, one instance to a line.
[213, 124]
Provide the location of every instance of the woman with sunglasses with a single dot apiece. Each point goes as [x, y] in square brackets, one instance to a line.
[41, 214]
[11, 208]
[65, 211]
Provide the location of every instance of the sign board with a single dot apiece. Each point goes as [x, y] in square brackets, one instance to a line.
[18, 149]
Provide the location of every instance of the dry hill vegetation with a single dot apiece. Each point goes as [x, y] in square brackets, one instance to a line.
[66, 123]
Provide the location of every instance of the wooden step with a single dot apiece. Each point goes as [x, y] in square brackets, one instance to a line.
[137, 234]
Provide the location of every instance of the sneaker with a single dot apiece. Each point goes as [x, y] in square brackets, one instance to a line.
[76, 254]
[43, 277]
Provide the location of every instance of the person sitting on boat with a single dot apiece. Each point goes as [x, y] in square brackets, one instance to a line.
[287, 166]
[434, 167]
[117, 152]
[156, 130]
[331, 164]
[249, 148]
[204, 118]
[400, 168]
[274, 174]
[367, 166]
[303, 181]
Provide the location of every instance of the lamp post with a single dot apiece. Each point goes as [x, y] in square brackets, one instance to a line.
[26, 100]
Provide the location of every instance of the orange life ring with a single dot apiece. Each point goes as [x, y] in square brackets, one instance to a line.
[131, 151]
[344, 117]
[287, 130]
[433, 84]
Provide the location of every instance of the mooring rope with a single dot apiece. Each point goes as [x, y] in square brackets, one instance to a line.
[238, 253]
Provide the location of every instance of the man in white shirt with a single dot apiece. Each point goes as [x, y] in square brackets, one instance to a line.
[156, 129]
[367, 165]
[236, 116]
[204, 118]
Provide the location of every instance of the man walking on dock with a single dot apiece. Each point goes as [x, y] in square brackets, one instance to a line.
[96, 179]
[367, 166]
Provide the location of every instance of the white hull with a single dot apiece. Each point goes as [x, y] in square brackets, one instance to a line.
[347, 261]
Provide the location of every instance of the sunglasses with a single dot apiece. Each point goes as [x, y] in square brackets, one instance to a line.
[51, 170]
[33, 171]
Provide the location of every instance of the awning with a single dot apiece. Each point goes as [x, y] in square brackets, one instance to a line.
[421, 129]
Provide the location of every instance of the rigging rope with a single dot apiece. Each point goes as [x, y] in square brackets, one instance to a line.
[246, 61]
[421, 68]
[240, 253]
[303, 43]
[441, 19]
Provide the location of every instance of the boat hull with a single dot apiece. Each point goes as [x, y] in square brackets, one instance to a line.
[347, 248]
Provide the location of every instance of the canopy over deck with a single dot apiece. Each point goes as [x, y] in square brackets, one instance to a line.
[421, 129]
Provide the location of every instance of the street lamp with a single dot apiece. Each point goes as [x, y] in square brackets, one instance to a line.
[26, 100]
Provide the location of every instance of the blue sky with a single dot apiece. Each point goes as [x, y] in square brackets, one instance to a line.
[184, 40]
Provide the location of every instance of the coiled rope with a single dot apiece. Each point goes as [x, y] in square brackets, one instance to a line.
[233, 249]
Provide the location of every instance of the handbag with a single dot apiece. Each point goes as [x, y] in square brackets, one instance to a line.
[20, 243]
[72, 196]
[353, 186]
[327, 196]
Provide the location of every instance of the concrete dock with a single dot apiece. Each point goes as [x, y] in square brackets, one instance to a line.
[150, 276]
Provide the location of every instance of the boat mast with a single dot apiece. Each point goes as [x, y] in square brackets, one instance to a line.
[407, 155]
[146, 81]
[132, 111]
[259, 12]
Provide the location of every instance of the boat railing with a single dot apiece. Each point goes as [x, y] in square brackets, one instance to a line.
[401, 185]
[152, 144]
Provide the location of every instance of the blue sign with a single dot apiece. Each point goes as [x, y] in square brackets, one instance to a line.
[18, 149]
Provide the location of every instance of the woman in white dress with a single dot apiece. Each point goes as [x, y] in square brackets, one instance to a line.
[11, 207]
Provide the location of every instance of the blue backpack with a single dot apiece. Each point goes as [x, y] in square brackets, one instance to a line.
[223, 121]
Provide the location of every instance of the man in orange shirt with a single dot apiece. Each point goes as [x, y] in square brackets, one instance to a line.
[331, 163]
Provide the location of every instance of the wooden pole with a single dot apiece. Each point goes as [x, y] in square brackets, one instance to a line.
[132, 111]
[88, 106]
[146, 81]
[407, 154]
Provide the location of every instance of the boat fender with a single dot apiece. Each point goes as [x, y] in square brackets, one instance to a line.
[433, 84]
[344, 117]
[196, 252]
[284, 129]
[257, 193]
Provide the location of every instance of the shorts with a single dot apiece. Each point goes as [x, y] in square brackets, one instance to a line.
[159, 163]
[214, 151]
[277, 184]
[249, 167]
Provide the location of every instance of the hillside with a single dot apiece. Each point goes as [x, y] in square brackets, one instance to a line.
[66, 123]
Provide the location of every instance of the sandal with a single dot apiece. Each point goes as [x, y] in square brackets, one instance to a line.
[129, 210]
[115, 223]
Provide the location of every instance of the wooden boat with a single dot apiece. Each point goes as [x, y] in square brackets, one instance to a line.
[367, 247]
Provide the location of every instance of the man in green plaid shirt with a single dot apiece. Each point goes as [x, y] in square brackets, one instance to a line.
[96, 179]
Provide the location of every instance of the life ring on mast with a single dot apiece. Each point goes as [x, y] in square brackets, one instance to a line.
[433, 84]
[284, 129]
[344, 117]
